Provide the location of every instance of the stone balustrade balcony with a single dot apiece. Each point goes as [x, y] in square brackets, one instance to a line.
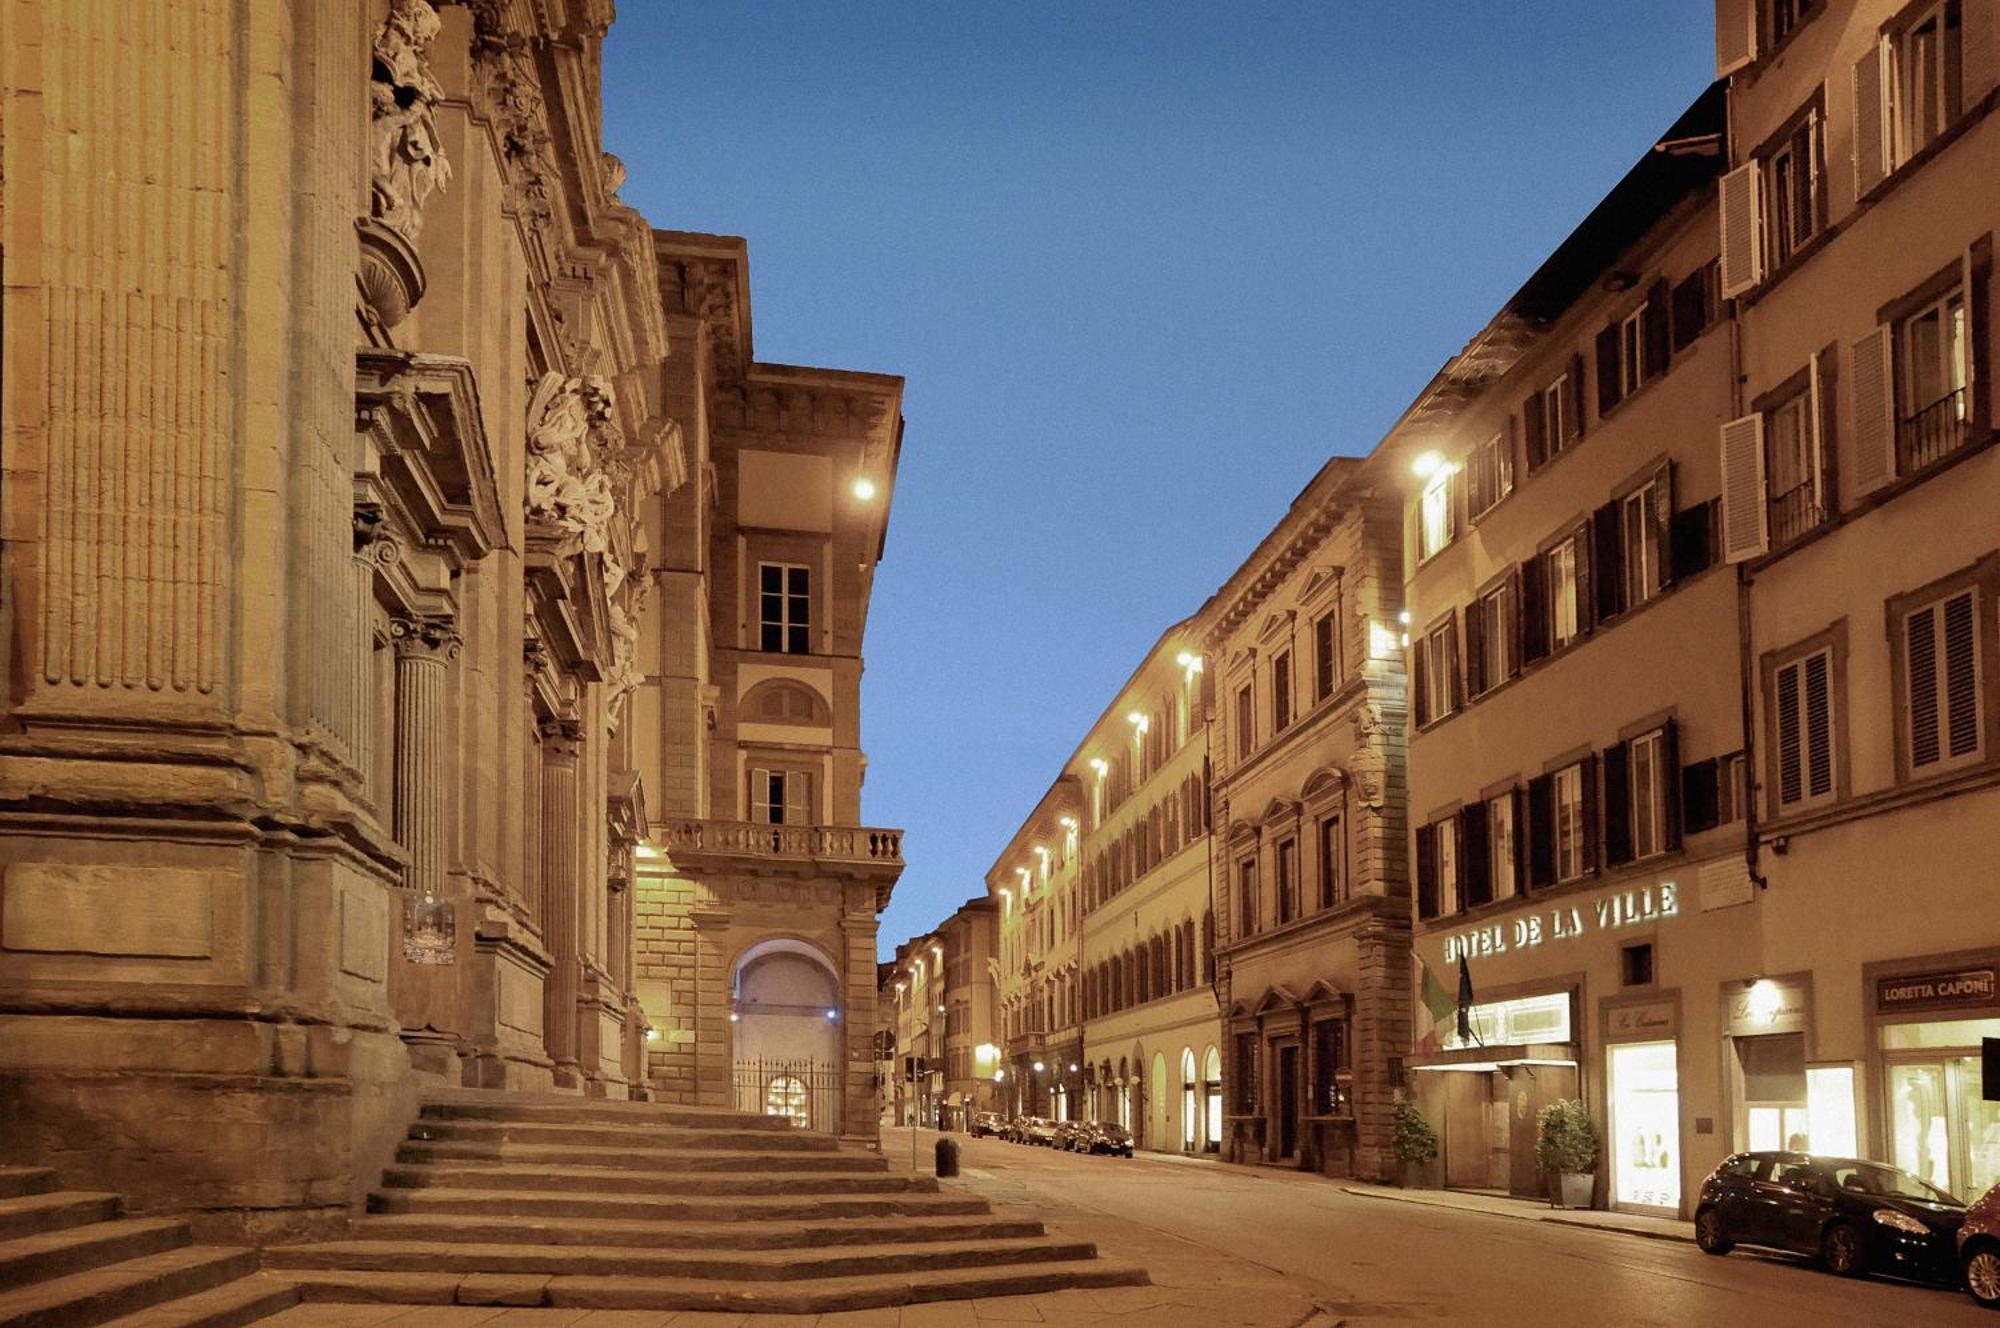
[840, 851]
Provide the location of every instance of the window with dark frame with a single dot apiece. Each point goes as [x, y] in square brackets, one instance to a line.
[1552, 416]
[1281, 691]
[1503, 845]
[1492, 644]
[1331, 861]
[1437, 514]
[1489, 473]
[784, 608]
[1288, 880]
[1924, 77]
[1792, 180]
[1326, 654]
[1246, 895]
[780, 796]
[1933, 375]
[1246, 722]
[1795, 467]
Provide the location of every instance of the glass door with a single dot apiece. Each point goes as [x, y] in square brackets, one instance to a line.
[1917, 1111]
[1977, 1123]
[1645, 1125]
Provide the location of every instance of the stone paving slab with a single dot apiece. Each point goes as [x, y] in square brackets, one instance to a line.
[1628, 1224]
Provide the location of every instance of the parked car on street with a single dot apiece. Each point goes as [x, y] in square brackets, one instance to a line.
[984, 1123]
[1041, 1130]
[1067, 1133]
[1979, 1249]
[1109, 1137]
[1858, 1217]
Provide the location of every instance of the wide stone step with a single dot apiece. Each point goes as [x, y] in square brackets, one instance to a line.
[51, 1254]
[245, 1300]
[27, 1214]
[598, 1135]
[17, 1181]
[636, 1159]
[101, 1294]
[822, 1296]
[734, 1265]
[676, 1208]
[553, 1108]
[604, 1181]
[739, 1235]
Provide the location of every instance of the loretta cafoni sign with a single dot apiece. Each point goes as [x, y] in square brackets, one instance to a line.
[1935, 991]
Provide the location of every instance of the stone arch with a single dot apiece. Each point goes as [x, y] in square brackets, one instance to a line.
[785, 701]
[1190, 1102]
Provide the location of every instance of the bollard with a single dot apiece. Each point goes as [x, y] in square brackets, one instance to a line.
[947, 1157]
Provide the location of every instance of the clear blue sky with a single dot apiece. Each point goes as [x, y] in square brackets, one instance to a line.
[1145, 265]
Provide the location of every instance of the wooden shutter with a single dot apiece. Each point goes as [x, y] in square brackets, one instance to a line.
[1745, 517]
[1690, 543]
[1535, 427]
[1607, 370]
[1454, 684]
[1591, 831]
[760, 795]
[798, 798]
[1574, 429]
[1475, 879]
[1657, 331]
[1419, 689]
[1871, 122]
[1871, 394]
[1532, 609]
[1701, 796]
[1617, 805]
[1670, 785]
[1819, 406]
[1427, 871]
[1690, 311]
[1961, 676]
[1607, 558]
[1663, 520]
[1742, 230]
[1476, 680]
[1541, 830]
[1735, 35]
[1586, 577]
[1976, 275]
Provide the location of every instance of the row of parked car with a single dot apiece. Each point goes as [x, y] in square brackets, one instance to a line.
[1856, 1217]
[1070, 1136]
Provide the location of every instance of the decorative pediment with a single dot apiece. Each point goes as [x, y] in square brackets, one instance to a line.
[1279, 997]
[422, 414]
[1324, 783]
[1274, 624]
[1323, 580]
[1323, 992]
[1278, 810]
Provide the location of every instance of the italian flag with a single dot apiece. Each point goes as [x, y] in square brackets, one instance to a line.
[1435, 1009]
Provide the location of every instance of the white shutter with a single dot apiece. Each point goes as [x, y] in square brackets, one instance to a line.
[798, 798]
[1871, 161]
[1742, 231]
[760, 796]
[1873, 398]
[1816, 456]
[1735, 35]
[1745, 524]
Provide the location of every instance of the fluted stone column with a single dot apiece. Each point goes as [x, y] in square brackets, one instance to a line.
[562, 741]
[373, 549]
[425, 648]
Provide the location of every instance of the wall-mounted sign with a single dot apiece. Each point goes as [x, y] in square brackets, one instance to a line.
[1564, 922]
[1767, 1006]
[1655, 1019]
[1935, 991]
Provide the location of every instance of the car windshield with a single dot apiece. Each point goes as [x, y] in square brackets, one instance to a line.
[1115, 1131]
[1887, 1182]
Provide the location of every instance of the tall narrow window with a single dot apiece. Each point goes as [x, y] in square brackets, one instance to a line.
[1565, 616]
[1648, 773]
[1331, 861]
[1501, 854]
[1281, 692]
[1489, 473]
[780, 797]
[1497, 645]
[1246, 891]
[1436, 519]
[1925, 82]
[1446, 841]
[1804, 705]
[1246, 722]
[1570, 823]
[1326, 654]
[1640, 523]
[1440, 680]
[1932, 372]
[1631, 352]
[1792, 459]
[1288, 880]
[1941, 668]
[784, 608]
[1792, 188]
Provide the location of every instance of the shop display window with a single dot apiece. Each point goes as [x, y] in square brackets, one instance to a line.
[1528, 1019]
[1645, 1124]
[1939, 1127]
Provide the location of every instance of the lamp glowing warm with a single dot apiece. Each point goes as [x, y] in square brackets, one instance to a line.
[1100, 765]
[864, 488]
[1426, 465]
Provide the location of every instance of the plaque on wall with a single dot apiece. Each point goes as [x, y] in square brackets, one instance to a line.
[430, 930]
[1948, 990]
[1655, 1019]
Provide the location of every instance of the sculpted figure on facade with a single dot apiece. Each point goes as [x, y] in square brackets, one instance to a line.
[569, 421]
[520, 116]
[1369, 766]
[406, 160]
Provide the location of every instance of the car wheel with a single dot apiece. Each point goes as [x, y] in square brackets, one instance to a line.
[1841, 1251]
[1982, 1275]
[1708, 1233]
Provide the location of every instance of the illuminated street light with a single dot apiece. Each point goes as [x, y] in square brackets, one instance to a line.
[864, 488]
[1426, 465]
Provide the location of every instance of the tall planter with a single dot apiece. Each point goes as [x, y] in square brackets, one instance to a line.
[1566, 1149]
[1416, 1147]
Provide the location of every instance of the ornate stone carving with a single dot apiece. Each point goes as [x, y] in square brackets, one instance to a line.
[514, 102]
[426, 638]
[1369, 766]
[406, 160]
[571, 434]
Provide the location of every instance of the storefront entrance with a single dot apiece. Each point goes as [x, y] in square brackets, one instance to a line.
[1939, 1128]
[1288, 1101]
[1644, 1142]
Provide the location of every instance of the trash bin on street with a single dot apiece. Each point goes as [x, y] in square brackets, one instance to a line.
[947, 1157]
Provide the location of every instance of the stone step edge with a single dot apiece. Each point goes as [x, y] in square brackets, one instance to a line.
[441, 1200]
[47, 1255]
[743, 1263]
[132, 1284]
[501, 1104]
[645, 1233]
[55, 1210]
[821, 1296]
[505, 1151]
[16, 1182]
[243, 1301]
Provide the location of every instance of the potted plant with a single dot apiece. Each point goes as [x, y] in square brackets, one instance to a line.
[1566, 1147]
[1416, 1144]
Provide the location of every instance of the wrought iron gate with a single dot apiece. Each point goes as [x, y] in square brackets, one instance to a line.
[806, 1092]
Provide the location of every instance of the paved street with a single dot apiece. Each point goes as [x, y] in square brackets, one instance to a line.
[1371, 1261]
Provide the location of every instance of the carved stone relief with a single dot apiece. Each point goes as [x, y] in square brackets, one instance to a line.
[406, 160]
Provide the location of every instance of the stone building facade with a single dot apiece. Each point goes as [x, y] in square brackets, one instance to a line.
[368, 463]
[1311, 886]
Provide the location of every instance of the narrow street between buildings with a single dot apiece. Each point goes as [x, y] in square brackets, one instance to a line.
[1363, 1260]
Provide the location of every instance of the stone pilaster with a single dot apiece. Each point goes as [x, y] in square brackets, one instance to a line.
[425, 648]
[562, 743]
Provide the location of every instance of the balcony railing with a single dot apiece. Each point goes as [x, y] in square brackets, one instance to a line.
[1795, 511]
[1933, 432]
[803, 843]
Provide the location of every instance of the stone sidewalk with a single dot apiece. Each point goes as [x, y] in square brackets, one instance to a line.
[1533, 1210]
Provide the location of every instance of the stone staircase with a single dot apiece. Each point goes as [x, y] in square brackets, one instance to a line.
[70, 1259]
[514, 1199]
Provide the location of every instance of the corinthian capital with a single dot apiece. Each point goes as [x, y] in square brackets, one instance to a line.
[425, 638]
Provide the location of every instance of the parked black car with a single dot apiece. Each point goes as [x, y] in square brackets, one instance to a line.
[984, 1123]
[1857, 1217]
[1109, 1137]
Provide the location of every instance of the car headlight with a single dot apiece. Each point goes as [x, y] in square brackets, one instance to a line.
[1889, 1217]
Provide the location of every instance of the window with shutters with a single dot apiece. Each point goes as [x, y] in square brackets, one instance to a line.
[1437, 521]
[1794, 463]
[1445, 837]
[1941, 671]
[1792, 191]
[1492, 629]
[1631, 352]
[1288, 880]
[1489, 473]
[1502, 845]
[1281, 692]
[1925, 94]
[1326, 654]
[1552, 416]
[1803, 704]
[1440, 669]
[784, 608]
[1642, 516]
[1933, 406]
[1697, 304]
[1246, 722]
[1648, 771]
[780, 796]
[1572, 824]
[1565, 571]
[1783, 17]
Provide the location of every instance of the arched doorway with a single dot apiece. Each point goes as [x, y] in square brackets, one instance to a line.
[1158, 1103]
[784, 1024]
[1190, 1109]
[1211, 1093]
